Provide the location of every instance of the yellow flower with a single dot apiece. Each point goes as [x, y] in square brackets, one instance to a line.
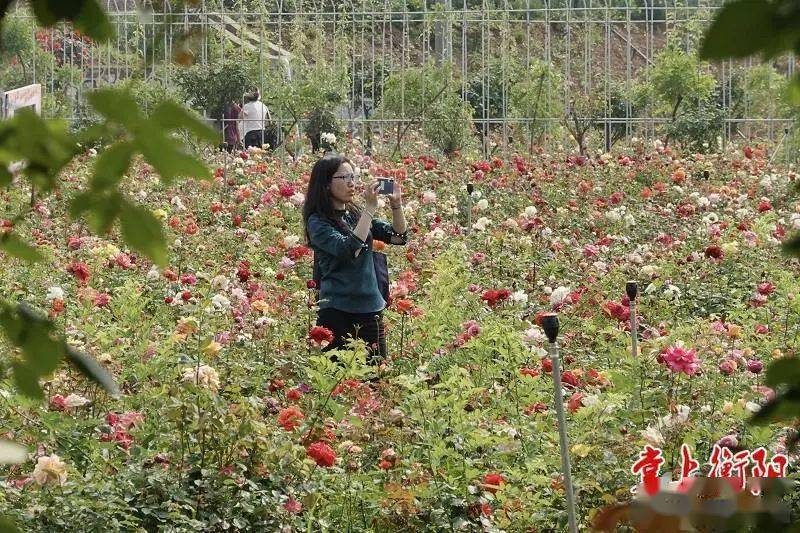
[730, 248]
[734, 331]
[259, 305]
[160, 214]
[212, 349]
[50, 469]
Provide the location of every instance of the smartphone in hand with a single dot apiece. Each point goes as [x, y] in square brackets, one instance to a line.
[386, 186]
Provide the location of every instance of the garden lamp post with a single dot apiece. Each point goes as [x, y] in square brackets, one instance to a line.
[632, 290]
[550, 326]
[470, 188]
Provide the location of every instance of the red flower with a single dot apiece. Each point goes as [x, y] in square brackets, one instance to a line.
[714, 252]
[322, 454]
[532, 372]
[570, 378]
[493, 481]
[766, 288]
[575, 402]
[80, 271]
[547, 365]
[764, 205]
[290, 418]
[538, 407]
[294, 395]
[321, 336]
[404, 306]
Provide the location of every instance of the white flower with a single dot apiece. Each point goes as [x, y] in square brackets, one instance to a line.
[176, 201]
[481, 224]
[238, 294]
[50, 469]
[153, 273]
[328, 138]
[74, 400]
[629, 220]
[428, 197]
[297, 198]
[648, 270]
[203, 376]
[530, 211]
[54, 293]
[435, 234]
[672, 292]
[221, 302]
[482, 204]
[220, 282]
[752, 406]
[559, 295]
[519, 297]
[680, 417]
[533, 335]
[653, 436]
[291, 241]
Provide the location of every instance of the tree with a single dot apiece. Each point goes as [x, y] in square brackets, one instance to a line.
[535, 98]
[676, 77]
[409, 95]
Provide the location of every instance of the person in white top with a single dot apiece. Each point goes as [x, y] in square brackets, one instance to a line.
[255, 121]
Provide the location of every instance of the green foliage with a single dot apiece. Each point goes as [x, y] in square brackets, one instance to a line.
[86, 15]
[449, 126]
[536, 97]
[698, 126]
[488, 92]
[409, 94]
[677, 76]
[42, 351]
[211, 87]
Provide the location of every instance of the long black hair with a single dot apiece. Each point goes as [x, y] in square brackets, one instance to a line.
[318, 196]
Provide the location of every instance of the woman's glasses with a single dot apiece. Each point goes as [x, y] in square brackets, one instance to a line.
[349, 178]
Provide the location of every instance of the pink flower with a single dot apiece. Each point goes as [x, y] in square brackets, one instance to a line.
[102, 299]
[293, 506]
[679, 359]
[58, 403]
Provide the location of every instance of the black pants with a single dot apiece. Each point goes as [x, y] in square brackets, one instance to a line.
[369, 325]
[258, 138]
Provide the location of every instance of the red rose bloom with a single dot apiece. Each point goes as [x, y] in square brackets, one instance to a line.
[290, 418]
[320, 336]
[493, 481]
[322, 454]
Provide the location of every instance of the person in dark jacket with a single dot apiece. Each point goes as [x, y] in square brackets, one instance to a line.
[341, 234]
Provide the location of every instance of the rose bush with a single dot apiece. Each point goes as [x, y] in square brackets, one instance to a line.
[231, 419]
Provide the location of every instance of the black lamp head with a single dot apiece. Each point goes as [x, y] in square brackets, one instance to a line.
[550, 326]
[470, 188]
[632, 290]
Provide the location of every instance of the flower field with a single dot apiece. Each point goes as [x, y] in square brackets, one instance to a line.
[230, 419]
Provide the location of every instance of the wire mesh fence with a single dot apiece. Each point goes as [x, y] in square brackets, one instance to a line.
[599, 50]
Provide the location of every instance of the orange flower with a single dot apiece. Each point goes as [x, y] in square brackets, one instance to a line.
[403, 306]
[378, 246]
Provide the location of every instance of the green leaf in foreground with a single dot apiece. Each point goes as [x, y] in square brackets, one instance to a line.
[173, 116]
[143, 231]
[42, 351]
[725, 37]
[11, 244]
[90, 368]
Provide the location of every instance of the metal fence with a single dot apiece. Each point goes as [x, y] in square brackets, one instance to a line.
[594, 46]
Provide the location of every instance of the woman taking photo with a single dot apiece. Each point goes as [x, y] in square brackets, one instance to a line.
[341, 233]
